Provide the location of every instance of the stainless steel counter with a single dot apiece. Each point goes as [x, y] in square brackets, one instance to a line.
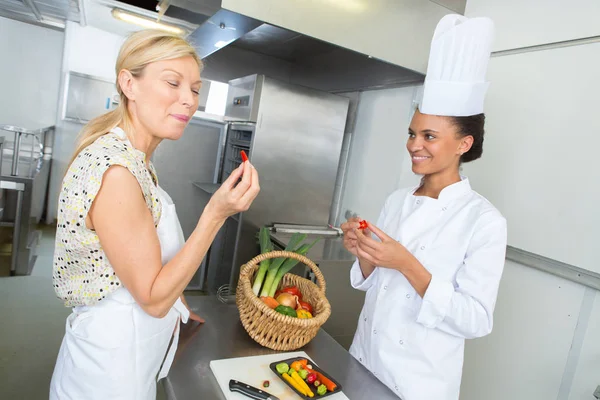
[222, 336]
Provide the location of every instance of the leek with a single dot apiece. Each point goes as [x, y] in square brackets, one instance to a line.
[292, 245]
[265, 247]
[288, 265]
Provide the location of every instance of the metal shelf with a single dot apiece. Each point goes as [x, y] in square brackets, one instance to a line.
[207, 187]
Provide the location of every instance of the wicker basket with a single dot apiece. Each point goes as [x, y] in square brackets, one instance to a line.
[270, 328]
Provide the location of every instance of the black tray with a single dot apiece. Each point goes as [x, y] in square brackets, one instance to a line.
[289, 361]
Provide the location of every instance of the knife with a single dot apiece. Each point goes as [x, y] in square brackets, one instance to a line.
[250, 391]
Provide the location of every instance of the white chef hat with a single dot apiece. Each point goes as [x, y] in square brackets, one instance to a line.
[455, 83]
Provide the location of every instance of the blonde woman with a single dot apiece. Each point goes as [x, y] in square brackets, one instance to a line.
[120, 259]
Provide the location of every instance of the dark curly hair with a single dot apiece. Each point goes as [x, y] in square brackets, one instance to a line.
[471, 126]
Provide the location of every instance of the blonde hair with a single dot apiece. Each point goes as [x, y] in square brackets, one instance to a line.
[140, 49]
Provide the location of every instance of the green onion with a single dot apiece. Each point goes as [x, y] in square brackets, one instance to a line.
[292, 245]
[287, 266]
[265, 247]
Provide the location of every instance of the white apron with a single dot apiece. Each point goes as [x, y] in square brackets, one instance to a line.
[114, 350]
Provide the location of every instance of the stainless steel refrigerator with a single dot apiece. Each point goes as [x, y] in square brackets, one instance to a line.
[293, 136]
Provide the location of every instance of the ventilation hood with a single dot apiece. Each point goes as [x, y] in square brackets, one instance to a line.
[302, 59]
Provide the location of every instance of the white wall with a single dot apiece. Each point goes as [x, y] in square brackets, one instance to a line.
[90, 51]
[30, 60]
[545, 343]
[522, 23]
[378, 162]
[529, 355]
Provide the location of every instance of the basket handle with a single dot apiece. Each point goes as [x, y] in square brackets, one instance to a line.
[247, 268]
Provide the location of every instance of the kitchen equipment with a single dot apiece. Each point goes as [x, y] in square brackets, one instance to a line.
[250, 391]
[293, 136]
[315, 368]
[24, 174]
[254, 371]
[226, 294]
[270, 328]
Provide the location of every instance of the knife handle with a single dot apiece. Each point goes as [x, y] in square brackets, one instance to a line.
[250, 391]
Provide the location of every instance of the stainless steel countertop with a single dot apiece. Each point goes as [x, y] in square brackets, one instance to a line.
[222, 336]
[329, 248]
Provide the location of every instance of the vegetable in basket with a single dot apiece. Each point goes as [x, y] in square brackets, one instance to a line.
[266, 246]
[306, 306]
[289, 311]
[293, 245]
[270, 302]
[286, 299]
[303, 314]
[285, 268]
[293, 290]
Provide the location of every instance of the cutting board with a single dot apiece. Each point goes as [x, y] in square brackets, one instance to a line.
[254, 371]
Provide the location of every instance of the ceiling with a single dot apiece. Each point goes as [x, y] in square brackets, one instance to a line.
[187, 14]
[50, 13]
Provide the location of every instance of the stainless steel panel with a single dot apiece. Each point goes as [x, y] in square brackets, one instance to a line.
[244, 97]
[88, 97]
[179, 164]
[296, 149]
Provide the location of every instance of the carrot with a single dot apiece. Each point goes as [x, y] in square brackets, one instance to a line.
[270, 302]
[294, 384]
[325, 381]
[302, 384]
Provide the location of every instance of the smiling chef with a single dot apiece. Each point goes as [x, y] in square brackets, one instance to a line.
[432, 265]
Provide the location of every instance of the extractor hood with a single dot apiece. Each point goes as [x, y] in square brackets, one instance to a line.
[308, 61]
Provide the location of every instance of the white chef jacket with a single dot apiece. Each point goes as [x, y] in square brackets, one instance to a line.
[416, 345]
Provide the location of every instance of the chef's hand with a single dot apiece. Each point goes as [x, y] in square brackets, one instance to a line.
[387, 253]
[351, 231]
[350, 239]
[231, 199]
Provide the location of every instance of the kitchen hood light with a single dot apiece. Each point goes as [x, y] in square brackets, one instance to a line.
[221, 43]
[144, 22]
[350, 5]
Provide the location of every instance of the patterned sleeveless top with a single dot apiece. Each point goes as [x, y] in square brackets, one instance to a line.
[82, 275]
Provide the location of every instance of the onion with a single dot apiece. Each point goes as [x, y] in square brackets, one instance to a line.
[287, 299]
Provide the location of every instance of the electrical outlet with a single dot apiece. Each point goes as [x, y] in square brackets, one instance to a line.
[597, 392]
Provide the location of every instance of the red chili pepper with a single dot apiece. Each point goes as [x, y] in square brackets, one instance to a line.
[363, 224]
[244, 156]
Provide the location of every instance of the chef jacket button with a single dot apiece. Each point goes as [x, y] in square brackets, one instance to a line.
[408, 296]
[375, 331]
[396, 387]
[365, 319]
[418, 201]
[422, 247]
[444, 209]
[385, 287]
[360, 359]
[401, 341]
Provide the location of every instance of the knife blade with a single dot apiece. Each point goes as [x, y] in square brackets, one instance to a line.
[250, 391]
